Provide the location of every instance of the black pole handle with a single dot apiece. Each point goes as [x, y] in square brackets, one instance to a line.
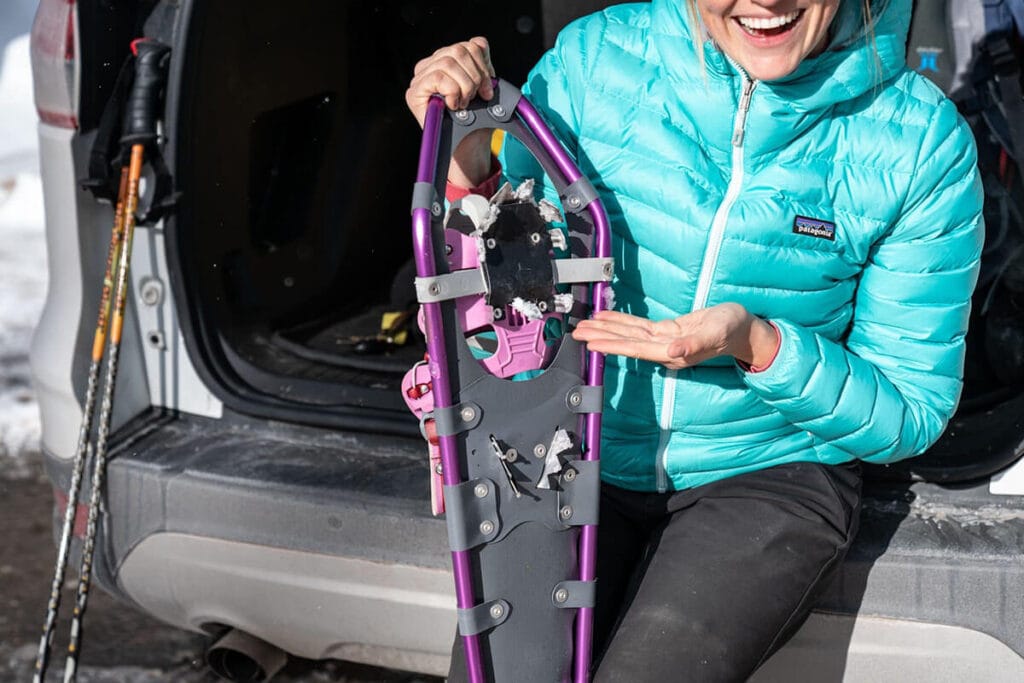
[143, 106]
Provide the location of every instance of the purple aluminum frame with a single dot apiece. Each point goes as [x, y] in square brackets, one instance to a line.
[423, 248]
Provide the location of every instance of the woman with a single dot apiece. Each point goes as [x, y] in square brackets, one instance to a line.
[797, 224]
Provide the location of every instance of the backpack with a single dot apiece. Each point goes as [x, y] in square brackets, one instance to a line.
[972, 49]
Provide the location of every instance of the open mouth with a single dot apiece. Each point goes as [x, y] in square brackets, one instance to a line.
[765, 27]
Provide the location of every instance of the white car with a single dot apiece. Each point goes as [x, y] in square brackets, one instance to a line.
[265, 475]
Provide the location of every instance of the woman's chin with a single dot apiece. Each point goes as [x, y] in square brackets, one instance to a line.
[770, 69]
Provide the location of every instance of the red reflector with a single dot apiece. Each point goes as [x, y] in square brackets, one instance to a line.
[57, 118]
[81, 512]
[54, 52]
[69, 36]
[53, 29]
[431, 430]
[418, 391]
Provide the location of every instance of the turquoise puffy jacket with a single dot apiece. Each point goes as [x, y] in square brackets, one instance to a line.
[842, 203]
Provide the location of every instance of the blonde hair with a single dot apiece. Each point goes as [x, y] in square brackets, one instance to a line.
[698, 40]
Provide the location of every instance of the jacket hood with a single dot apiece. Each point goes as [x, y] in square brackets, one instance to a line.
[848, 68]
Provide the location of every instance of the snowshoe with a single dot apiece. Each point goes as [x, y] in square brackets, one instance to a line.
[508, 401]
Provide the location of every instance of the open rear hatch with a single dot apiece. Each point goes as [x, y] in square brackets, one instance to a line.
[294, 154]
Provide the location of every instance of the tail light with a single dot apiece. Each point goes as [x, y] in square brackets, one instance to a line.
[55, 63]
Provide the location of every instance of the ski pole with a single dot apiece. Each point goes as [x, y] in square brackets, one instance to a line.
[141, 130]
[78, 462]
[99, 458]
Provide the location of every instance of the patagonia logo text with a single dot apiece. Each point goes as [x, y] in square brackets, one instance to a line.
[814, 228]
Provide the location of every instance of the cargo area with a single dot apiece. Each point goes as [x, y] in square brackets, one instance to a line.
[295, 156]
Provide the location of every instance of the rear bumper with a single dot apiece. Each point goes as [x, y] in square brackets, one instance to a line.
[322, 543]
[313, 605]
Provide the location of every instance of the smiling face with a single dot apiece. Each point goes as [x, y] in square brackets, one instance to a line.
[768, 38]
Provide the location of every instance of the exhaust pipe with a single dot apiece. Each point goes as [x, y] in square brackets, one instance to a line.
[238, 656]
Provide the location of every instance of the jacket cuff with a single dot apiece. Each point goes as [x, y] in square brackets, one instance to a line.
[794, 363]
[487, 188]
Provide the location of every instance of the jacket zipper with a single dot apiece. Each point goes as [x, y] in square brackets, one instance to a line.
[707, 271]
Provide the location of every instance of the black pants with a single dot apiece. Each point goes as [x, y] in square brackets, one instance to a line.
[705, 584]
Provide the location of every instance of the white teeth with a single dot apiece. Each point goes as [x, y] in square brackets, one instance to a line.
[758, 23]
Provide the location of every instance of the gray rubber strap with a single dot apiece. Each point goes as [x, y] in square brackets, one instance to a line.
[484, 616]
[471, 511]
[469, 282]
[578, 195]
[424, 196]
[585, 399]
[574, 594]
[574, 270]
[580, 499]
[457, 418]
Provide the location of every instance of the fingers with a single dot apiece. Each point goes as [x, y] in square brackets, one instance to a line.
[656, 352]
[480, 50]
[666, 342]
[620, 317]
[475, 50]
[470, 64]
[447, 79]
[675, 354]
[589, 330]
[623, 335]
[622, 322]
[457, 72]
[677, 343]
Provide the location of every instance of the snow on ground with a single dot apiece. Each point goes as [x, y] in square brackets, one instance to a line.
[19, 144]
[22, 291]
[22, 255]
